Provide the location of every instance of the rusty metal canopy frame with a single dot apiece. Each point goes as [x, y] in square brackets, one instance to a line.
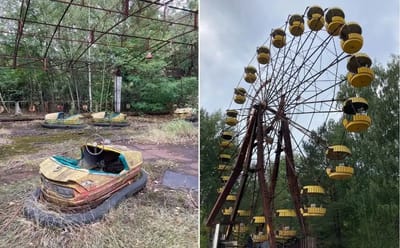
[31, 25]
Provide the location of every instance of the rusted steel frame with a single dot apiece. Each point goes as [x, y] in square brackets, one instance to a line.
[91, 7]
[126, 13]
[172, 7]
[21, 23]
[164, 43]
[95, 31]
[275, 169]
[248, 138]
[265, 193]
[242, 185]
[55, 30]
[106, 32]
[120, 12]
[291, 175]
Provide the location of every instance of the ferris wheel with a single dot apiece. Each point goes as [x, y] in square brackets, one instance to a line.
[288, 89]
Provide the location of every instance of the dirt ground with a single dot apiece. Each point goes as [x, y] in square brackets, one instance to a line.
[24, 144]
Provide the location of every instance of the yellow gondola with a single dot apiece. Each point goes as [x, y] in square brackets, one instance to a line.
[263, 55]
[240, 95]
[360, 74]
[224, 167]
[231, 197]
[224, 178]
[286, 233]
[232, 113]
[285, 213]
[315, 16]
[262, 230]
[225, 158]
[296, 25]
[243, 213]
[340, 172]
[227, 211]
[351, 39]
[227, 135]
[240, 228]
[239, 99]
[231, 118]
[312, 189]
[356, 110]
[313, 211]
[278, 38]
[226, 144]
[258, 219]
[334, 21]
[357, 123]
[231, 121]
[250, 74]
[259, 238]
[338, 152]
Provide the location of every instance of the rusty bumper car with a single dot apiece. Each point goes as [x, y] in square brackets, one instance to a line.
[109, 119]
[81, 191]
[187, 114]
[63, 120]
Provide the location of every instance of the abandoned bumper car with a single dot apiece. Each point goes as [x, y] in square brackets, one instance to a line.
[110, 119]
[81, 191]
[63, 120]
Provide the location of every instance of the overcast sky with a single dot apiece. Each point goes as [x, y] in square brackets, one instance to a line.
[230, 31]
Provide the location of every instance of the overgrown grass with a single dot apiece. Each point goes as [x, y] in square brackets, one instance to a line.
[148, 219]
[172, 132]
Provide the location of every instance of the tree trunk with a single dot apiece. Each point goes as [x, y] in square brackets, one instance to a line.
[71, 95]
[3, 103]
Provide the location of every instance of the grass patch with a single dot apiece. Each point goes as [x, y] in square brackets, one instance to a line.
[149, 219]
[172, 132]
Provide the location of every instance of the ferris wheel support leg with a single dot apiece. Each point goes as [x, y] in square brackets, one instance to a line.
[291, 176]
[243, 180]
[266, 195]
[249, 139]
[239, 194]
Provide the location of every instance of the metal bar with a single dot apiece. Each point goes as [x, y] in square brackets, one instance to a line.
[275, 169]
[79, 41]
[55, 30]
[172, 7]
[21, 23]
[126, 12]
[107, 31]
[265, 194]
[242, 185]
[91, 7]
[291, 176]
[101, 32]
[317, 112]
[236, 170]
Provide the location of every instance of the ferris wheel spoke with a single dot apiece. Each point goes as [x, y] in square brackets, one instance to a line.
[313, 78]
[306, 59]
[296, 53]
[320, 92]
[291, 91]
